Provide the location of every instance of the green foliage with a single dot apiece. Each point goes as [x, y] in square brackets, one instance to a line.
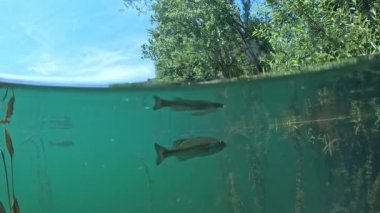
[142, 6]
[306, 33]
[201, 40]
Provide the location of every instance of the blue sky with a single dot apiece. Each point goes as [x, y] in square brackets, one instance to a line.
[71, 42]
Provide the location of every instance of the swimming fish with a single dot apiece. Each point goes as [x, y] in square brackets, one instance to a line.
[180, 104]
[188, 148]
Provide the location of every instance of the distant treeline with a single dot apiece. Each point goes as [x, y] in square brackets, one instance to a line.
[201, 40]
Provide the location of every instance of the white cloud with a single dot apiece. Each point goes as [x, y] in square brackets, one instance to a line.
[94, 66]
[47, 65]
[60, 44]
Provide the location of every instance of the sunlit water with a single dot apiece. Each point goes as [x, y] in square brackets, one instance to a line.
[304, 143]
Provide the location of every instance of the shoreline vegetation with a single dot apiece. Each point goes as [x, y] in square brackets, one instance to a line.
[212, 41]
[368, 62]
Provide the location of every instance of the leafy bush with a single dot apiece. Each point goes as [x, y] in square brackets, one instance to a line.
[310, 32]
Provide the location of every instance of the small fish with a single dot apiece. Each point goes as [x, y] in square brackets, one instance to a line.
[180, 104]
[63, 143]
[188, 148]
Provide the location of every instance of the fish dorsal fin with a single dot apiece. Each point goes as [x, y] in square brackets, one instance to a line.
[178, 142]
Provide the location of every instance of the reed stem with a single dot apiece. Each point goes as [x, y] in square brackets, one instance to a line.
[6, 178]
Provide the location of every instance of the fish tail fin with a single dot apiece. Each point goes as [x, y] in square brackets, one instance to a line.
[159, 103]
[162, 153]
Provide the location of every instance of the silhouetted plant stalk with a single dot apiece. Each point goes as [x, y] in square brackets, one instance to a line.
[6, 178]
[8, 140]
[374, 196]
[300, 194]
[149, 181]
[14, 208]
[255, 177]
[368, 167]
[9, 112]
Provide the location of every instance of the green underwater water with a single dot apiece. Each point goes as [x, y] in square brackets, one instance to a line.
[303, 143]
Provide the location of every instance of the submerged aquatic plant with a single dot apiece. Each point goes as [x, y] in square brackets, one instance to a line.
[146, 171]
[376, 123]
[240, 128]
[299, 192]
[9, 144]
[357, 117]
[325, 97]
[255, 177]
[11, 103]
[374, 196]
[6, 177]
[235, 200]
[339, 126]
[330, 145]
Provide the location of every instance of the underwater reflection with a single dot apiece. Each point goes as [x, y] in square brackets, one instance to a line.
[61, 143]
[180, 104]
[60, 122]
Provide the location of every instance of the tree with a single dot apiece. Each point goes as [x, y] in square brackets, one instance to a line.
[303, 33]
[196, 40]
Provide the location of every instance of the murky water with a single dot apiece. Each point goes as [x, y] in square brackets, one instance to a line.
[304, 143]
